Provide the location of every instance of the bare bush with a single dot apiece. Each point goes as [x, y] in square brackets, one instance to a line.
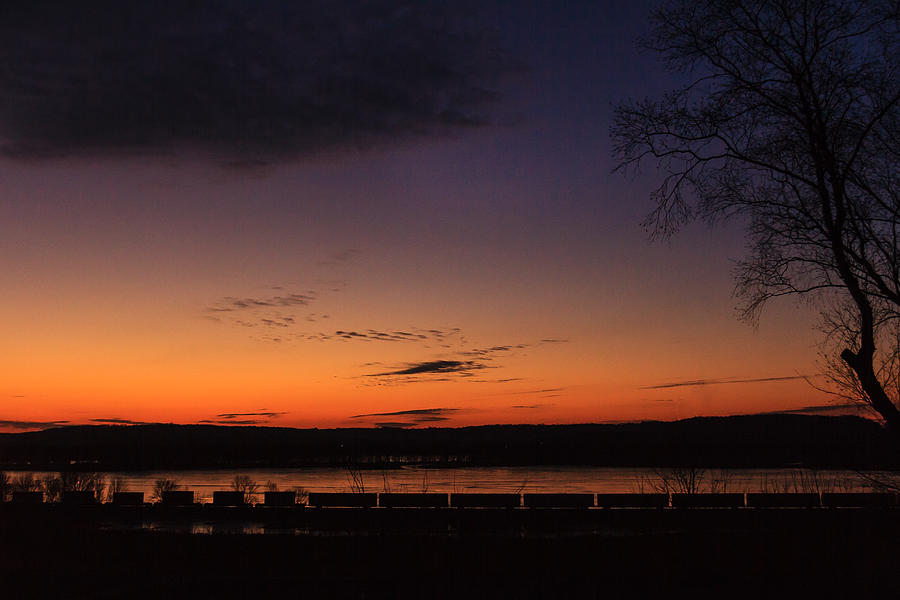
[679, 480]
[719, 481]
[246, 486]
[25, 482]
[53, 487]
[301, 495]
[805, 481]
[115, 485]
[161, 486]
[355, 479]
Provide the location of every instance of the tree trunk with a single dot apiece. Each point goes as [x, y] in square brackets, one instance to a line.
[878, 399]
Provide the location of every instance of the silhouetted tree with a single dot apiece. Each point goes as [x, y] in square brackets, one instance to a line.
[4, 486]
[161, 486]
[53, 487]
[73, 481]
[115, 485]
[25, 482]
[246, 486]
[789, 118]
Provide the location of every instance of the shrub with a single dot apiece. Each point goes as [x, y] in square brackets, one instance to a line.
[160, 486]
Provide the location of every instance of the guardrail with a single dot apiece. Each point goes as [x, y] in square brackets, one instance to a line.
[441, 500]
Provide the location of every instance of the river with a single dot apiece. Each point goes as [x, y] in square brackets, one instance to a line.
[499, 479]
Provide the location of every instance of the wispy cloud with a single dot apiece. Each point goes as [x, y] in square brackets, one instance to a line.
[25, 425]
[261, 416]
[435, 366]
[259, 413]
[118, 421]
[408, 418]
[537, 391]
[844, 409]
[341, 257]
[697, 382]
[531, 406]
[482, 352]
[416, 412]
[413, 334]
[460, 363]
[232, 304]
[274, 317]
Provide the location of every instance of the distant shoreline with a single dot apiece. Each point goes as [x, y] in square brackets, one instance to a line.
[759, 441]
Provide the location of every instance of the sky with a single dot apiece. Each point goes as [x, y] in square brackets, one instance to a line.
[355, 214]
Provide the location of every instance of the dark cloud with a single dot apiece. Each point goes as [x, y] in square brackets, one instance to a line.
[232, 422]
[554, 341]
[250, 81]
[315, 337]
[261, 413]
[409, 418]
[271, 321]
[531, 406]
[484, 352]
[117, 421]
[413, 335]
[393, 425]
[435, 366]
[695, 382]
[266, 314]
[381, 336]
[416, 412]
[25, 425]
[846, 409]
[539, 391]
[231, 304]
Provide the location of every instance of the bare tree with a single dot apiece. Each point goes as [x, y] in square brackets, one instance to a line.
[246, 486]
[355, 479]
[789, 119]
[161, 486]
[680, 480]
[53, 487]
[76, 481]
[115, 485]
[4, 486]
[26, 482]
[301, 495]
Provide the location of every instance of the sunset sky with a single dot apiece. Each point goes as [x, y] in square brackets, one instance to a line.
[354, 214]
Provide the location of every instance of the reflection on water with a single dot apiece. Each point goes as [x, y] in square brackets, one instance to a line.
[493, 479]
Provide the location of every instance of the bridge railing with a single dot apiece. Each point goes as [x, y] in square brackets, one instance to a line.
[443, 500]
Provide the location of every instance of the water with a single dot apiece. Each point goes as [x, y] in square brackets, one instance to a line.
[496, 479]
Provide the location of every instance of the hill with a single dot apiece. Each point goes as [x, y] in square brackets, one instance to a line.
[738, 441]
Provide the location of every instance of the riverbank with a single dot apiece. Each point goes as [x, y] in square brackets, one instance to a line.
[756, 441]
[55, 551]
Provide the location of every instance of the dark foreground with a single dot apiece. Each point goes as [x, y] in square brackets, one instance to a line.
[53, 551]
